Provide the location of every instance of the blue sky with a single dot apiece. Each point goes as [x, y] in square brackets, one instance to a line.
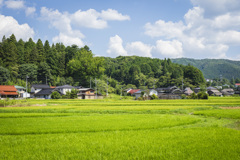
[150, 28]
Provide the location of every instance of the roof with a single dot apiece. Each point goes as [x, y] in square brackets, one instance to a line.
[85, 89]
[40, 86]
[8, 90]
[188, 91]
[228, 90]
[65, 87]
[46, 91]
[138, 92]
[19, 87]
[133, 91]
[237, 84]
[211, 88]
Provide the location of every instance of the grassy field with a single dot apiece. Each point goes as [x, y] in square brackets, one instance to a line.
[121, 129]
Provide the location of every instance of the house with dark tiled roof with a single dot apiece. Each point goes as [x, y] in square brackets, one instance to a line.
[171, 92]
[7, 91]
[228, 92]
[45, 93]
[213, 91]
[87, 93]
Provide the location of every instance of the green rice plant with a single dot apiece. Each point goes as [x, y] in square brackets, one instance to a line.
[90, 123]
[220, 113]
[163, 144]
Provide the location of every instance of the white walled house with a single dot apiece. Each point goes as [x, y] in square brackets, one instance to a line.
[65, 88]
[153, 91]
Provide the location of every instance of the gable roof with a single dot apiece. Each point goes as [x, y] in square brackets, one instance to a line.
[86, 89]
[46, 91]
[19, 87]
[8, 90]
[133, 91]
[40, 86]
[65, 87]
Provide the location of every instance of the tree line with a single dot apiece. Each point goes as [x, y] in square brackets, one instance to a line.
[58, 64]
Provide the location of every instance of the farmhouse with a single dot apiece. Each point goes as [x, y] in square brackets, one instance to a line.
[45, 93]
[228, 92]
[188, 91]
[64, 89]
[171, 92]
[7, 91]
[86, 93]
[213, 91]
[153, 91]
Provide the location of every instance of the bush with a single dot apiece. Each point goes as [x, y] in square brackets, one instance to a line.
[140, 98]
[202, 95]
[154, 96]
[193, 96]
[183, 96]
[56, 95]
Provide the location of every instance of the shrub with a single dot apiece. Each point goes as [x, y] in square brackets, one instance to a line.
[154, 96]
[193, 96]
[183, 96]
[56, 95]
[140, 98]
[202, 95]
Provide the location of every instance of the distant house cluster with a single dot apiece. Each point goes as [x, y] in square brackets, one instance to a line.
[173, 92]
[45, 91]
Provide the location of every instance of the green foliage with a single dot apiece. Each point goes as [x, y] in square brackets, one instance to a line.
[193, 96]
[73, 94]
[202, 95]
[212, 68]
[4, 75]
[154, 97]
[56, 95]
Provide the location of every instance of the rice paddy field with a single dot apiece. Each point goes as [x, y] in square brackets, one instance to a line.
[121, 129]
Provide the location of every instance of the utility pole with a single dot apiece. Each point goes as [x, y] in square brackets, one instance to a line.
[96, 86]
[46, 79]
[26, 85]
[182, 84]
[107, 87]
[90, 82]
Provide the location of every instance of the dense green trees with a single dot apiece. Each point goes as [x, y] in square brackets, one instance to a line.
[59, 65]
[56, 64]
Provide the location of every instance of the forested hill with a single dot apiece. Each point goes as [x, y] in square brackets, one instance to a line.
[56, 64]
[213, 68]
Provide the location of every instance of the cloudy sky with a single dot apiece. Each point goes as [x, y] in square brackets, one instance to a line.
[150, 28]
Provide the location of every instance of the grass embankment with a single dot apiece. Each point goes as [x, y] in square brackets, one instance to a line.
[121, 129]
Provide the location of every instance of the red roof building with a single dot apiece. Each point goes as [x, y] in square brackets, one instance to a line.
[133, 91]
[8, 91]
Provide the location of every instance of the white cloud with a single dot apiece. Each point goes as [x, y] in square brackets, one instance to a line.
[64, 22]
[8, 26]
[113, 15]
[30, 11]
[15, 4]
[200, 36]
[88, 19]
[171, 49]
[68, 40]
[217, 7]
[139, 49]
[164, 29]
[115, 47]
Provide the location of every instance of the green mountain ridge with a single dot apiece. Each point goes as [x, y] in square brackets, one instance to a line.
[213, 68]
